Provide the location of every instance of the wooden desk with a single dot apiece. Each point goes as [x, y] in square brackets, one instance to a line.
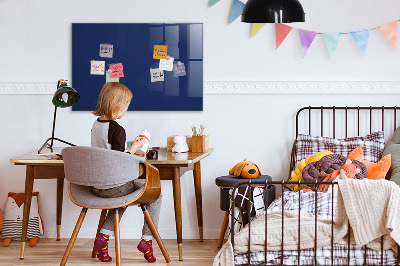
[171, 167]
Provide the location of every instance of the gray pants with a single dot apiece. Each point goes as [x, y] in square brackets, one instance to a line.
[154, 208]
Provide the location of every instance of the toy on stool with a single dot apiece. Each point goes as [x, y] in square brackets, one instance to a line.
[13, 215]
[245, 169]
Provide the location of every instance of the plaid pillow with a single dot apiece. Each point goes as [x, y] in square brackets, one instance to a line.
[372, 145]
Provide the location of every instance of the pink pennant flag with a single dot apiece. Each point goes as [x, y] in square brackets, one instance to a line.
[281, 31]
[389, 30]
[306, 39]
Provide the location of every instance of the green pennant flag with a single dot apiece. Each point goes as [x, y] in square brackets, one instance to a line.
[332, 41]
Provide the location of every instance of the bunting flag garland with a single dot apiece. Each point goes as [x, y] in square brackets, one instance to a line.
[332, 41]
[306, 39]
[361, 37]
[389, 30]
[213, 2]
[256, 27]
[281, 31]
[237, 9]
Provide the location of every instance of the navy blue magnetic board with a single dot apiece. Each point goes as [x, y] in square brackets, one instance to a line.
[133, 47]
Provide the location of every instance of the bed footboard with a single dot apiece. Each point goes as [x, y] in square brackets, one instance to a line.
[310, 254]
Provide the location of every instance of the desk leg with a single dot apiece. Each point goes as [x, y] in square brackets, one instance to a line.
[199, 204]
[60, 190]
[176, 182]
[27, 206]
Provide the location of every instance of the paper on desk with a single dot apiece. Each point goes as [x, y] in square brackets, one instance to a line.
[106, 50]
[53, 155]
[97, 67]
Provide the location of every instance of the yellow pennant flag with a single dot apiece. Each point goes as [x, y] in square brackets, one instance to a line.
[256, 28]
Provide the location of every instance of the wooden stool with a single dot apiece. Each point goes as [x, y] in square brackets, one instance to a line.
[226, 183]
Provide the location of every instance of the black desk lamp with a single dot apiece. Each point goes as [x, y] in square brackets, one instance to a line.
[273, 11]
[64, 97]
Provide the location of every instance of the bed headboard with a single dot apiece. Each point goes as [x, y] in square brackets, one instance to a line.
[377, 116]
[344, 121]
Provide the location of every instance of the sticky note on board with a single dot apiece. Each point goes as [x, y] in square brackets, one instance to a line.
[109, 79]
[179, 70]
[156, 75]
[160, 51]
[116, 70]
[106, 50]
[97, 67]
[167, 64]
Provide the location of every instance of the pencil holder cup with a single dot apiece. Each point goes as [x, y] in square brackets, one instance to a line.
[200, 143]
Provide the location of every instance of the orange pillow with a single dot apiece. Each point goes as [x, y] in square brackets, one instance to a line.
[375, 170]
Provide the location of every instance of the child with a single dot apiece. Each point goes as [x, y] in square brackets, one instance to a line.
[113, 103]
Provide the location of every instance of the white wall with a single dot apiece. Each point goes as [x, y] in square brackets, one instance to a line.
[35, 46]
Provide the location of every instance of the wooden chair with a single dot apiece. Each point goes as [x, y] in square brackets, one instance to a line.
[85, 167]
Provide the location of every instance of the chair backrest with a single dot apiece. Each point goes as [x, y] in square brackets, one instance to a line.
[91, 166]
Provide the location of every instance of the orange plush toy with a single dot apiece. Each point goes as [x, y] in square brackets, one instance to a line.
[245, 169]
[13, 215]
[375, 170]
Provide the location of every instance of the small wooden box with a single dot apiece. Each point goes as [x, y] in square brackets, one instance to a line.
[200, 143]
[171, 143]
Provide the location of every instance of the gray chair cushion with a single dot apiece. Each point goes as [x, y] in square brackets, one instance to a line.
[84, 196]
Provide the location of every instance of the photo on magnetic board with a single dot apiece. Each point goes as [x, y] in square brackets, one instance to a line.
[134, 47]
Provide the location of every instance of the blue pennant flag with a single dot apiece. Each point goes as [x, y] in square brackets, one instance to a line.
[361, 38]
[213, 2]
[332, 41]
[237, 9]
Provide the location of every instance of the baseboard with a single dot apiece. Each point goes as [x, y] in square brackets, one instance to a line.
[245, 87]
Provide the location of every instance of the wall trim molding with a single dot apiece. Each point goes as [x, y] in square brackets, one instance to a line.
[28, 88]
[245, 87]
[302, 87]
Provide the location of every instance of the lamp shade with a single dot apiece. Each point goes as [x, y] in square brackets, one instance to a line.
[65, 96]
[273, 11]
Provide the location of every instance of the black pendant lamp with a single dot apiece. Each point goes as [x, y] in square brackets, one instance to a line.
[273, 11]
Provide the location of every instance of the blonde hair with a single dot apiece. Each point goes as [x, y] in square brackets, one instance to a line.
[112, 99]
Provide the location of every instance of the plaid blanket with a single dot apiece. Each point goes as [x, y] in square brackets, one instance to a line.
[324, 257]
[323, 205]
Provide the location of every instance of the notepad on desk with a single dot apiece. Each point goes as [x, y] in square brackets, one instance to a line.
[52, 155]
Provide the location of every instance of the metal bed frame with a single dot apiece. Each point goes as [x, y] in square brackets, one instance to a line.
[283, 184]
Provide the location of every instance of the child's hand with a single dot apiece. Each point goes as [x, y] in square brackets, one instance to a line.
[137, 144]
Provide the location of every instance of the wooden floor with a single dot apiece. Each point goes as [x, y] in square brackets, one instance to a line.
[50, 252]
